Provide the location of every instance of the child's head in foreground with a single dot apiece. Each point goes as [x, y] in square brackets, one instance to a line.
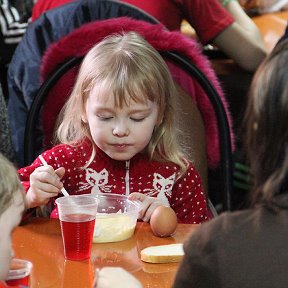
[123, 100]
[11, 209]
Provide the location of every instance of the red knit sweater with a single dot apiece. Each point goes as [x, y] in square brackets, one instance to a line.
[105, 175]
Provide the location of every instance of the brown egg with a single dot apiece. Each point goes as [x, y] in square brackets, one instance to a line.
[163, 221]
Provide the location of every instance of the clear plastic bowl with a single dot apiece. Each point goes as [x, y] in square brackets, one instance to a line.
[116, 218]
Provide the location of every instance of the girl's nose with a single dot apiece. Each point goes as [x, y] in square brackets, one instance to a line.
[121, 129]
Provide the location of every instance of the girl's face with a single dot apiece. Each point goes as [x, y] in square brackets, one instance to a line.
[120, 132]
[8, 221]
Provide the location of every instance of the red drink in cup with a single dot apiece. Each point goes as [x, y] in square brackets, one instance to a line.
[77, 216]
[19, 272]
[77, 231]
[17, 282]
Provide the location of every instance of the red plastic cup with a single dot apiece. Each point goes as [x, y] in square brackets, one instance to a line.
[19, 272]
[77, 217]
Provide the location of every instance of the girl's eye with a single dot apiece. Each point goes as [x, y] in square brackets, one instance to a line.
[104, 118]
[137, 119]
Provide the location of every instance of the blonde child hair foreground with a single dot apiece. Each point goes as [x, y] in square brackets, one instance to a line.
[116, 134]
[11, 209]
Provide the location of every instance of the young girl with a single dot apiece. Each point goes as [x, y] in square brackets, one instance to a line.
[11, 209]
[117, 135]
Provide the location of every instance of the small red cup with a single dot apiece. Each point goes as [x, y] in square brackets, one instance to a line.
[19, 272]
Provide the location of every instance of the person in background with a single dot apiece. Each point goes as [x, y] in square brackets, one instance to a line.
[246, 248]
[12, 28]
[116, 135]
[222, 22]
[11, 209]
[6, 147]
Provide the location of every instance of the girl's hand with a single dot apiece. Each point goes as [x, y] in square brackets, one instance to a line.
[110, 277]
[148, 205]
[44, 184]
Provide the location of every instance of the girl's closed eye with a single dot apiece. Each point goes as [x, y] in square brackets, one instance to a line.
[105, 117]
[137, 119]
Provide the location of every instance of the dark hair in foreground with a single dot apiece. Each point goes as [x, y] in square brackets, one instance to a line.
[266, 123]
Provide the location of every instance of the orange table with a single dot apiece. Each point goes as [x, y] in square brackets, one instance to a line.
[272, 27]
[40, 242]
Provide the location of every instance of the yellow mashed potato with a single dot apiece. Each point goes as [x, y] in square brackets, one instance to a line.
[113, 227]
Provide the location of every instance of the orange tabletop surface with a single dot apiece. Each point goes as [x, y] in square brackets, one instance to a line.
[40, 242]
[272, 27]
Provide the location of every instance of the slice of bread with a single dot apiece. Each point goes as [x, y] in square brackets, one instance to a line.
[163, 253]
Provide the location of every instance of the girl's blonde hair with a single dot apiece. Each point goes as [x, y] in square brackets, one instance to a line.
[9, 184]
[129, 67]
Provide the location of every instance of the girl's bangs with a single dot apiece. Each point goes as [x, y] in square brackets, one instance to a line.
[124, 90]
